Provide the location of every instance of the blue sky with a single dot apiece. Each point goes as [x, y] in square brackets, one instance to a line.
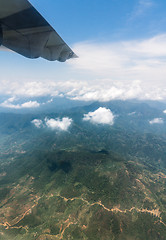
[84, 19]
[121, 46]
[107, 20]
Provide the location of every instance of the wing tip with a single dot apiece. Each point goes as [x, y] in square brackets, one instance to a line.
[74, 55]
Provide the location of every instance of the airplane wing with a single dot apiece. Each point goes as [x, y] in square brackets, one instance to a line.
[25, 31]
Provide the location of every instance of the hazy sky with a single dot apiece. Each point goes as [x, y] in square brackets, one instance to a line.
[121, 46]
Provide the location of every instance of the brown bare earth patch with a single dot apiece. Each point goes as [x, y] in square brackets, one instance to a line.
[18, 204]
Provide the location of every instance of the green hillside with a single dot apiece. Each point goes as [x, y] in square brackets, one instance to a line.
[91, 182]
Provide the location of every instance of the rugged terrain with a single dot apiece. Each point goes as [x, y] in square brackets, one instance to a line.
[93, 181]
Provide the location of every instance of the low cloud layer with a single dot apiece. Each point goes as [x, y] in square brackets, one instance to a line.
[54, 124]
[100, 116]
[9, 103]
[156, 121]
[133, 69]
[133, 60]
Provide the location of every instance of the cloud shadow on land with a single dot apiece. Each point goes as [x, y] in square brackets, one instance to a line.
[58, 161]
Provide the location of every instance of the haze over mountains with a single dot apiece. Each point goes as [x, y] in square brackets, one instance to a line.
[84, 171]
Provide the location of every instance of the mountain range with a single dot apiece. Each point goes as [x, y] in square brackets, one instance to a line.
[84, 171]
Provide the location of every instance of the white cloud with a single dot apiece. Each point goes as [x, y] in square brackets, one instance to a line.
[9, 104]
[105, 71]
[100, 116]
[115, 91]
[128, 60]
[164, 111]
[123, 70]
[131, 114]
[141, 8]
[37, 122]
[30, 104]
[54, 124]
[63, 124]
[156, 120]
